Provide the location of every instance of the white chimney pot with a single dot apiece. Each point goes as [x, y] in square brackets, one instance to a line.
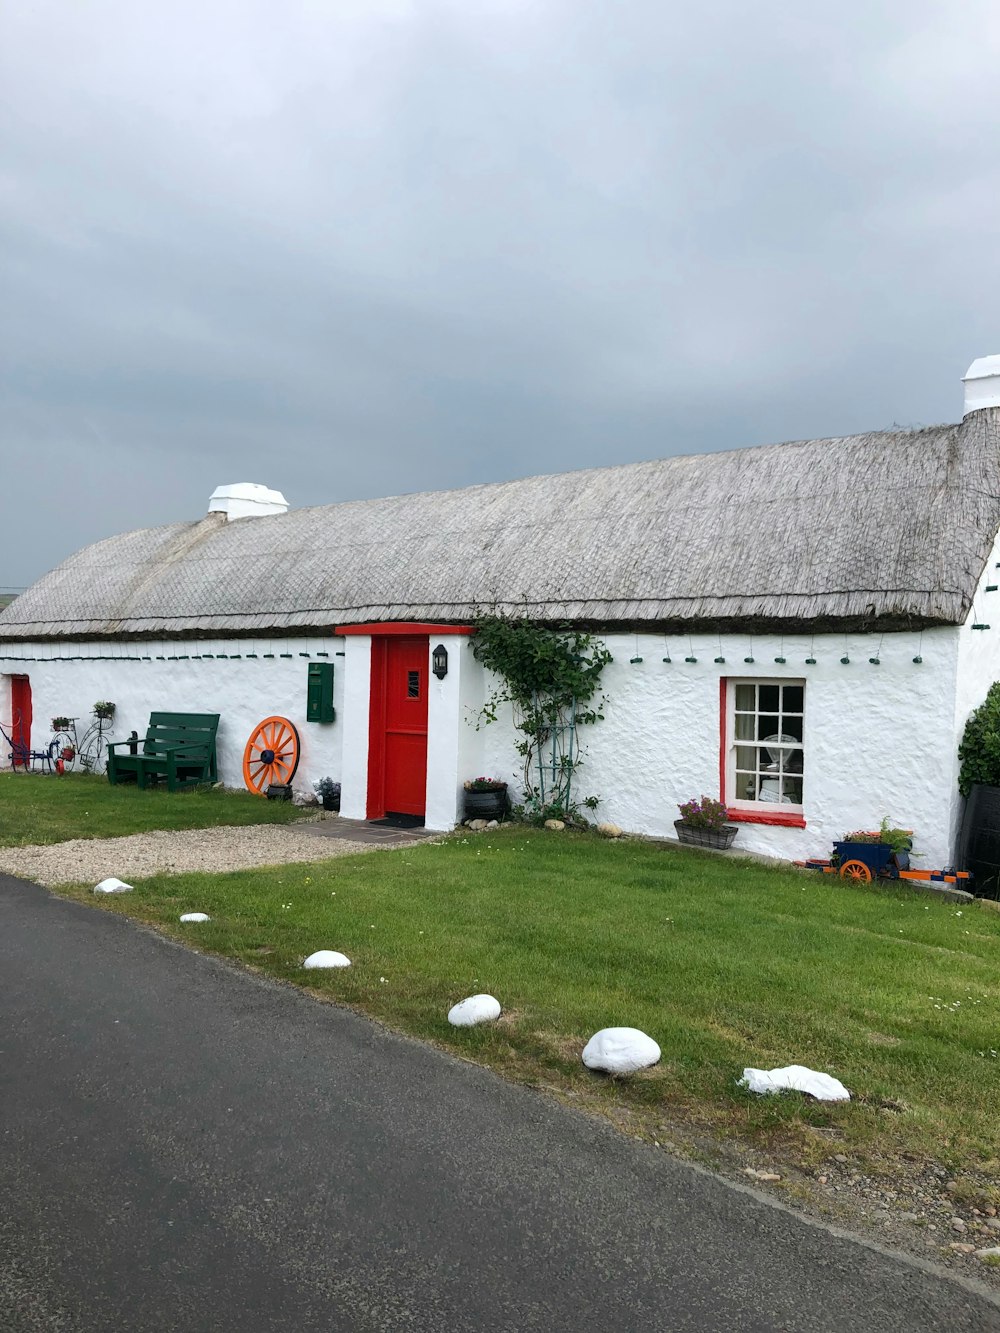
[246, 499]
[982, 384]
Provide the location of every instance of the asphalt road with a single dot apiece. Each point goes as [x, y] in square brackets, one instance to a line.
[187, 1148]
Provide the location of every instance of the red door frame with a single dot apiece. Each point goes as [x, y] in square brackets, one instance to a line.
[378, 718]
[380, 632]
[20, 703]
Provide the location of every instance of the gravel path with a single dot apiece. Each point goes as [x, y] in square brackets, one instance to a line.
[83, 860]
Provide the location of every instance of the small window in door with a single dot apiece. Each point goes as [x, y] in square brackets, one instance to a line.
[413, 685]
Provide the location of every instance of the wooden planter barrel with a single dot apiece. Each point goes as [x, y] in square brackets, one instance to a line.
[486, 804]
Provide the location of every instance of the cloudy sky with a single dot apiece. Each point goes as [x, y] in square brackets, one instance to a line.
[360, 247]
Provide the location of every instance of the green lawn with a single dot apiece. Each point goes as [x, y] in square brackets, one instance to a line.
[43, 808]
[725, 963]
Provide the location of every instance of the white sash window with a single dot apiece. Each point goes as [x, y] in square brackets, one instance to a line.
[765, 744]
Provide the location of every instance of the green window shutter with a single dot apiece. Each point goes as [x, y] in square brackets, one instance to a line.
[319, 693]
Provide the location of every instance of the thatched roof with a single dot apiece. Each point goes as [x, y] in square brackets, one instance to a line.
[888, 529]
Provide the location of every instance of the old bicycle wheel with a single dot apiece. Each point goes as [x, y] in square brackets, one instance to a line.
[271, 754]
[62, 747]
[92, 751]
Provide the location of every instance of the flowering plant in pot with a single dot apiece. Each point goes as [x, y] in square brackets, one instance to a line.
[485, 798]
[60, 723]
[104, 709]
[704, 823]
[328, 792]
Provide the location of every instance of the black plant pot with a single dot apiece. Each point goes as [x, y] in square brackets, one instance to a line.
[486, 804]
[331, 802]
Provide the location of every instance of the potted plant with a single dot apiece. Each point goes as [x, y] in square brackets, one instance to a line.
[60, 723]
[485, 798]
[104, 709]
[328, 792]
[704, 823]
[67, 753]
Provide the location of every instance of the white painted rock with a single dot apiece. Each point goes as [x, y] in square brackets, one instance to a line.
[620, 1051]
[476, 1009]
[327, 958]
[554, 824]
[609, 830]
[112, 886]
[195, 916]
[797, 1078]
[477, 824]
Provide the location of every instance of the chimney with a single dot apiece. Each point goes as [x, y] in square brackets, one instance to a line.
[982, 384]
[248, 499]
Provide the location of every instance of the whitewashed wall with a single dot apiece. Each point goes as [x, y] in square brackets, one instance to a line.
[879, 740]
[978, 663]
[70, 678]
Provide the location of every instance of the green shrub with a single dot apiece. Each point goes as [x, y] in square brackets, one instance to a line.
[979, 751]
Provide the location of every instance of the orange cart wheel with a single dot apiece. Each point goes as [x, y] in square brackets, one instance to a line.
[856, 871]
[271, 754]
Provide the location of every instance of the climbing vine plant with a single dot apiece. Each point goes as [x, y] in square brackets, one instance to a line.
[550, 676]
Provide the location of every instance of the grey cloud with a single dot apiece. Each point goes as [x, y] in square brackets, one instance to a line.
[414, 246]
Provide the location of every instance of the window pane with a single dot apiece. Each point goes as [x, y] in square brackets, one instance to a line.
[746, 786]
[791, 761]
[745, 727]
[792, 790]
[746, 758]
[746, 696]
[769, 698]
[792, 726]
[768, 726]
[792, 700]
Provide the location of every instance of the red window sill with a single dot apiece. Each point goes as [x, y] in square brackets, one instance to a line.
[752, 817]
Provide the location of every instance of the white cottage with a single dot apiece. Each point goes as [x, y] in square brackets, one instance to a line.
[801, 629]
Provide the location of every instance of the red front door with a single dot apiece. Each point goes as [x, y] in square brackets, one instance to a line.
[397, 769]
[20, 707]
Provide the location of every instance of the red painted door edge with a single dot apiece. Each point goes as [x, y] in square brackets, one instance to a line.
[374, 804]
[410, 628]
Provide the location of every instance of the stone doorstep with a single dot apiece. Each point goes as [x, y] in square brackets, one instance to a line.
[359, 830]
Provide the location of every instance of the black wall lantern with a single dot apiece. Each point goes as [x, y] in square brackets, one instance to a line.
[439, 661]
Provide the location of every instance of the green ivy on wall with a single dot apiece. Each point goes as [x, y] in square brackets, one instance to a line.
[979, 751]
[550, 676]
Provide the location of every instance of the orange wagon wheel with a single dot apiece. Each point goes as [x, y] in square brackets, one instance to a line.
[856, 871]
[271, 754]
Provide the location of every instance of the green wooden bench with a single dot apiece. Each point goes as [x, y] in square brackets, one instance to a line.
[178, 746]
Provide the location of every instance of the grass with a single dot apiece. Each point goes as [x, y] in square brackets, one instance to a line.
[43, 808]
[725, 963]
